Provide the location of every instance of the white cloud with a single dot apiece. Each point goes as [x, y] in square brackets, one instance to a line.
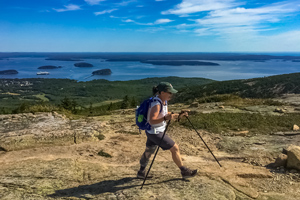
[162, 21]
[69, 7]
[159, 21]
[229, 17]
[202, 31]
[194, 6]
[281, 42]
[93, 2]
[239, 16]
[278, 42]
[125, 3]
[152, 30]
[104, 12]
[128, 20]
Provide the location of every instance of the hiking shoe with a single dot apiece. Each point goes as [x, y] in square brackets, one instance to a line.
[187, 173]
[142, 174]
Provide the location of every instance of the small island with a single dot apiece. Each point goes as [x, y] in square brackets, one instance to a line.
[83, 64]
[102, 72]
[9, 72]
[64, 59]
[49, 67]
[178, 63]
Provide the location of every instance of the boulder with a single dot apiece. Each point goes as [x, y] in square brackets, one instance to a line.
[102, 72]
[295, 128]
[293, 160]
[281, 160]
[194, 105]
[23, 131]
[280, 110]
[241, 133]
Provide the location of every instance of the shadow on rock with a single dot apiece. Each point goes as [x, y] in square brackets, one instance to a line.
[111, 186]
[108, 186]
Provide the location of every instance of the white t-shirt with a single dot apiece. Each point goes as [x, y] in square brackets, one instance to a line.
[160, 127]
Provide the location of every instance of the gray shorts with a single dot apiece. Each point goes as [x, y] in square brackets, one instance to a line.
[154, 139]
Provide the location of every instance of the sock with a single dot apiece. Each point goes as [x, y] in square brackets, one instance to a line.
[183, 168]
[142, 168]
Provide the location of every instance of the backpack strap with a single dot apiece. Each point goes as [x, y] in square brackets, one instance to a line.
[161, 104]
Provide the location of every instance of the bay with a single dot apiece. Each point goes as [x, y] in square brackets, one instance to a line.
[121, 71]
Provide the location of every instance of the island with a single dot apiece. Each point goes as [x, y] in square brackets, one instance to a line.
[83, 64]
[102, 72]
[49, 67]
[64, 59]
[178, 63]
[9, 72]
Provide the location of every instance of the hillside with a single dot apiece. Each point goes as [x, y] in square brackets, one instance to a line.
[14, 92]
[102, 95]
[266, 87]
[50, 156]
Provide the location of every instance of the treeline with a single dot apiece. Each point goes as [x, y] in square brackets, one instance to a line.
[15, 91]
[101, 96]
[68, 105]
[266, 87]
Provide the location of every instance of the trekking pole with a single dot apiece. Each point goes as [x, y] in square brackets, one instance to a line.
[156, 153]
[203, 141]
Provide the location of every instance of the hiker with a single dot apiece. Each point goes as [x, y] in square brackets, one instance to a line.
[157, 118]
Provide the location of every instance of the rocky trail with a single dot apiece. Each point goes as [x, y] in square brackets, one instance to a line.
[48, 156]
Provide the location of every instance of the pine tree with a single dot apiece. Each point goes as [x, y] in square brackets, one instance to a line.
[125, 103]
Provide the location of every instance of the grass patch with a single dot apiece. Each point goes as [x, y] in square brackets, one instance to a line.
[238, 102]
[105, 103]
[255, 123]
[100, 136]
[104, 154]
[41, 96]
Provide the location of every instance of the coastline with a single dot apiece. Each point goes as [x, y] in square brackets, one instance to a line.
[134, 66]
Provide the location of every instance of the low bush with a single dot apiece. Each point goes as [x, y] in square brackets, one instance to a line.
[104, 154]
[255, 123]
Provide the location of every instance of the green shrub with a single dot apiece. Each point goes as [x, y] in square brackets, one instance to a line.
[104, 154]
[255, 123]
[100, 136]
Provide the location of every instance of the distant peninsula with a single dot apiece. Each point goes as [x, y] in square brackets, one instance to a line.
[83, 64]
[64, 59]
[9, 72]
[179, 63]
[163, 62]
[49, 67]
[102, 72]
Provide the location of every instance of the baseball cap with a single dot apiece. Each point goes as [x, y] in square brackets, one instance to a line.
[166, 87]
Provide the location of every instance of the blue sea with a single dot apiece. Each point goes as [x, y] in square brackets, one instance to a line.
[27, 67]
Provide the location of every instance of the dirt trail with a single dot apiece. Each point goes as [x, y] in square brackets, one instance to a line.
[77, 171]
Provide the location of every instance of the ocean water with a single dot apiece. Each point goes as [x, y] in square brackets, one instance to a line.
[227, 70]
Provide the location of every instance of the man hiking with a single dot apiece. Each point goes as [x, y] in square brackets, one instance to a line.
[157, 116]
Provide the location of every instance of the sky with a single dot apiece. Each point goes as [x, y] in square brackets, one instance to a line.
[149, 26]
